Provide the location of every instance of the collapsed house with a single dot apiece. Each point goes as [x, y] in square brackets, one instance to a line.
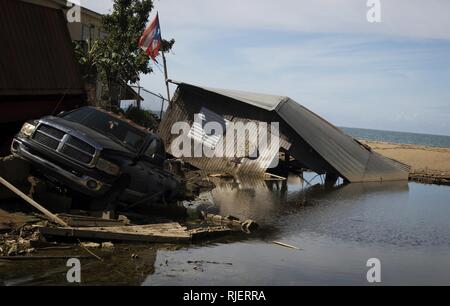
[305, 139]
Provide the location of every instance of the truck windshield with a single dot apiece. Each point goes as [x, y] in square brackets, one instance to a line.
[109, 126]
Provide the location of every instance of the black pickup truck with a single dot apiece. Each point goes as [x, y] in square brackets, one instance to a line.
[98, 154]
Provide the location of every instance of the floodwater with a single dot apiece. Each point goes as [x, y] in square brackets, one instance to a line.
[404, 225]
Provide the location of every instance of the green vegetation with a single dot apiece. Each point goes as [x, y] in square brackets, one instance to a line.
[116, 59]
[142, 117]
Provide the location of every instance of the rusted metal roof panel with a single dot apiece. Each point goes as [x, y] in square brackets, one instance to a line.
[36, 53]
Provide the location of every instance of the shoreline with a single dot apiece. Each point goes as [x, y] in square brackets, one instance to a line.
[429, 165]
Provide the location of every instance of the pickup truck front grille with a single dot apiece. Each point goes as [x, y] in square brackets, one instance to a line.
[65, 144]
[80, 145]
[47, 141]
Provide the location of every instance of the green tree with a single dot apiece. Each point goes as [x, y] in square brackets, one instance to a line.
[88, 58]
[142, 117]
[116, 57]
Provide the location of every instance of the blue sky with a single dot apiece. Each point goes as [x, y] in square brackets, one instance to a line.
[393, 75]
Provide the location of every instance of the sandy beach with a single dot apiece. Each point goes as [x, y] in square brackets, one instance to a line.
[428, 164]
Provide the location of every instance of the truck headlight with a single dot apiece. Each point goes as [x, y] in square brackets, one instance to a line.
[27, 129]
[107, 166]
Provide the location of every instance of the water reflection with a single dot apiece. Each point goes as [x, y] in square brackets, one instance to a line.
[117, 268]
[337, 228]
[266, 200]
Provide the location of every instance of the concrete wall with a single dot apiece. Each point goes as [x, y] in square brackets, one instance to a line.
[90, 27]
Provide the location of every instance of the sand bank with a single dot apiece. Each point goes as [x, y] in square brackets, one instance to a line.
[428, 164]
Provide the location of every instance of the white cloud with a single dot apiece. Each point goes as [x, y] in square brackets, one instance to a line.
[411, 18]
[387, 76]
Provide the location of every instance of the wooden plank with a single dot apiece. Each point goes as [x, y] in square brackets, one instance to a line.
[88, 221]
[33, 203]
[163, 233]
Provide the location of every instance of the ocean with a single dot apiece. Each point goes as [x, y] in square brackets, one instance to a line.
[399, 137]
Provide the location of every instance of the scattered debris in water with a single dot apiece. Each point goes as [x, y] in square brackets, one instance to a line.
[286, 245]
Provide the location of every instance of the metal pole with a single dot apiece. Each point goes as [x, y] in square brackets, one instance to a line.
[166, 80]
[138, 100]
[162, 108]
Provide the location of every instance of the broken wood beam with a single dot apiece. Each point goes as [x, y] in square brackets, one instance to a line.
[88, 221]
[160, 233]
[33, 203]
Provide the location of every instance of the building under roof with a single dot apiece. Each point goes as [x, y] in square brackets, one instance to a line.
[313, 142]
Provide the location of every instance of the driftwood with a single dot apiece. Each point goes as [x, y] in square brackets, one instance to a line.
[286, 245]
[33, 203]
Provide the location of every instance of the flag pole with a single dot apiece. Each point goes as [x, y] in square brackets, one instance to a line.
[138, 99]
[166, 77]
[147, 43]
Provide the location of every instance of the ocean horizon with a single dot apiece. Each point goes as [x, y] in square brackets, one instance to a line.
[430, 140]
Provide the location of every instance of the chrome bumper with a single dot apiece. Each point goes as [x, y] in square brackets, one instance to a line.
[19, 150]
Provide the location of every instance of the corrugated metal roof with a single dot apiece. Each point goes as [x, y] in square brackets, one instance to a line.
[36, 54]
[350, 159]
[264, 101]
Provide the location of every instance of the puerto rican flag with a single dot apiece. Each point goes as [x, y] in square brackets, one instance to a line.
[150, 40]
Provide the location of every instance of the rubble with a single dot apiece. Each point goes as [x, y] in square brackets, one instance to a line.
[25, 233]
[18, 242]
[36, 232]
[90, 245]
[195, 183]
[246, 226]
[107, 245]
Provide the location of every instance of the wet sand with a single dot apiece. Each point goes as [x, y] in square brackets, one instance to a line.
[428, 164]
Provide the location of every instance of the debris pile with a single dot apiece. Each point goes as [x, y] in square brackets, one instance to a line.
[20, 242]
[93, 188]
[89, 232]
